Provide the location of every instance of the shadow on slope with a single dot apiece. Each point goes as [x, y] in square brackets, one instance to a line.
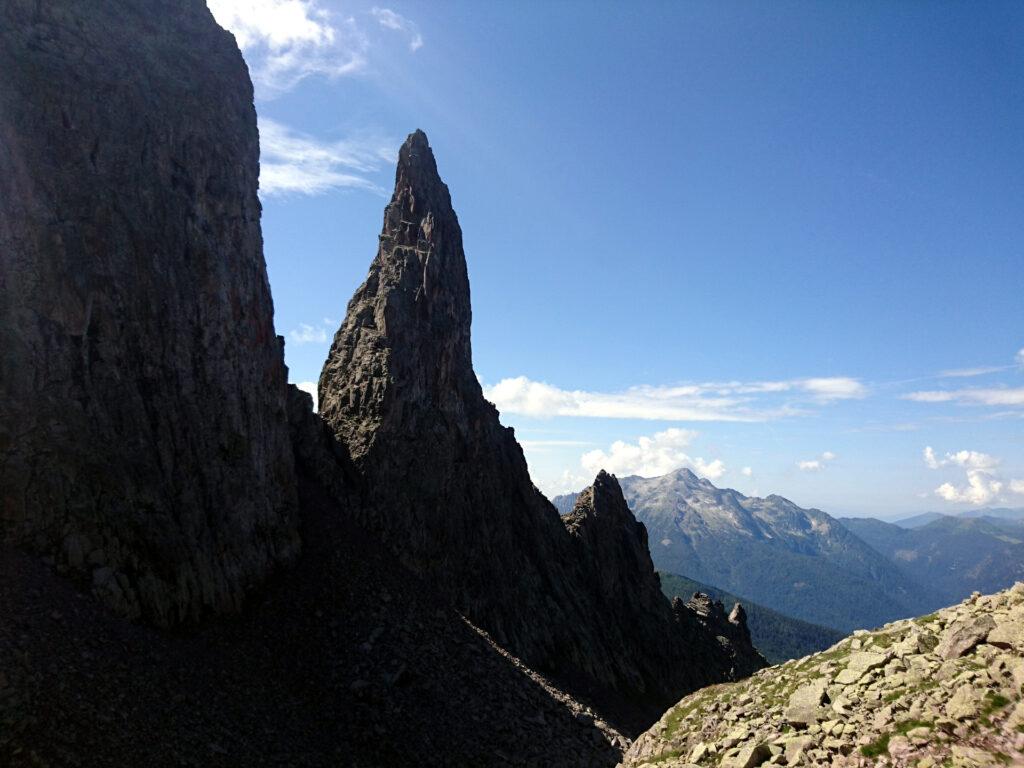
[349, 660]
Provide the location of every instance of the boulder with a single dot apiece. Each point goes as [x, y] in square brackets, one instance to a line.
[962, 636]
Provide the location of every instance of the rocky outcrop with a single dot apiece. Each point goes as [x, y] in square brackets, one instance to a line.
[942, 689]
[448, 487]
[688, 645]
[143, 436]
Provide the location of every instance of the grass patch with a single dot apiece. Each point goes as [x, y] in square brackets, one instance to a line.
[906, 726]
[881, 640]
[880, 746]
[662, 757]
[921, 687]
[931, 617]
[680, 713]
[994, 701]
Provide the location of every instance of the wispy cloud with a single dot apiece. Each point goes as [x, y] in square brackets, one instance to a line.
[965, 373]
[723, 401]
[285, 41]
[817, 464]
[391, 20]
[832, 388]
[994, 396]
[652, 456]
[308, 334]
[295, 163]
[313, 334]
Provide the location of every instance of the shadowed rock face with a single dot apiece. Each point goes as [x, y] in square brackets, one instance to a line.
[690, 644]
[448, 486]
[143, 437]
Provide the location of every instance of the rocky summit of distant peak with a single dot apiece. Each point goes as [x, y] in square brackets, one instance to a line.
[942, 689]
[448, 487]
[802, 562]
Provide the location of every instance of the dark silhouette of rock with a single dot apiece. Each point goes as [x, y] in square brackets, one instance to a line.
[143, 436]
[678, 643]
[448, 487]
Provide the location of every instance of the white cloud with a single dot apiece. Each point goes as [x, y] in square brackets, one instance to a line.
[310, 387]
[652, 456]
[728, 401]
[1019, 357]
[747, 471]
[983, 484]
[285, 41]
[981, 488]
[1004, 396]
[818, 464]
[391, 20]
[965, 373]
[291, 162]
[309, 334]
[833, 388]
[966, 459]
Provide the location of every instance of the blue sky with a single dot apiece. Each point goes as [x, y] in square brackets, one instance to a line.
[780, 243]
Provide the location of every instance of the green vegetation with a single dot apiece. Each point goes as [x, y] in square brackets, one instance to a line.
[881, 640]
[662, 757]
[993, 703]
[963, 554]
[880, 746]
[777, 636]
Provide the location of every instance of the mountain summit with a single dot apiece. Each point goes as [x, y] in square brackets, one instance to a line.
[802, 562]
[448, 486]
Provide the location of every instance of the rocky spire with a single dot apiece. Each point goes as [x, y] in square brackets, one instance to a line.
[449, 488]
[143, 440]
[415, 308]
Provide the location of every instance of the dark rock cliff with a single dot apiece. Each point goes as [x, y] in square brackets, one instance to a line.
[689, 645]
[448, 487]
[143, 436]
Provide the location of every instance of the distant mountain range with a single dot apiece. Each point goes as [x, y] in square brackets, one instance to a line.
[952, 555]
[801, 562]
[777, 636]
[924, 518]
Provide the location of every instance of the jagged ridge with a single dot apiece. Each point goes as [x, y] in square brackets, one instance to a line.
[448, 486]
